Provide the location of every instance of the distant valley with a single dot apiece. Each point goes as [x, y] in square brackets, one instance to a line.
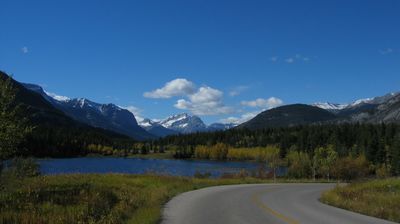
[382, 109]
[115, 118]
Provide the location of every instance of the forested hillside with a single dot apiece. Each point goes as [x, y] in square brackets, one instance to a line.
[379, 143]
[53, 133]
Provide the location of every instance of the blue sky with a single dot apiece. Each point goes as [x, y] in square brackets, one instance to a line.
[218, 56]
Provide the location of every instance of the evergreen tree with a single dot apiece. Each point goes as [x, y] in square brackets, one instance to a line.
[395, 153]
[13, 129]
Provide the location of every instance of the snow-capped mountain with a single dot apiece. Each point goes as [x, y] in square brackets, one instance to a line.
[184, 123]
[375, 110]
[330, 106]
[156, 129]
[375, 100]
[180, 124]
[105, 116]
[115, 118]
[334, 107]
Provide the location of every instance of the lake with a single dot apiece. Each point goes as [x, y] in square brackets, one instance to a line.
[140, 166]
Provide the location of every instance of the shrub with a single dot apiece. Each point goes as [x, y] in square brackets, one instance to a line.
[202, 175]
[22, 167]
[299, 164]
[383, 171]
[350, 168]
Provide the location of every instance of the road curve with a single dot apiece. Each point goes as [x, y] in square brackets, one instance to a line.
[259, 203]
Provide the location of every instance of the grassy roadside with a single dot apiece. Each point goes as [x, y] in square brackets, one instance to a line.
[378, 198]
[93, 198]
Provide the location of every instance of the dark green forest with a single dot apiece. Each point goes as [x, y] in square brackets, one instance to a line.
[379, 143]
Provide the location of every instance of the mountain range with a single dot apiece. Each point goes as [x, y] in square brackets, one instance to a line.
[105, 116]
[382, 109]
[116, 119]
[55, 133]
[181, 124]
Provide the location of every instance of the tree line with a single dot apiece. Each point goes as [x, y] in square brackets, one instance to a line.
[379, 144]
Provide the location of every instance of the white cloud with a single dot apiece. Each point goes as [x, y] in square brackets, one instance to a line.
[289, 60]
[24, 50]
[292, 59]
[203, 101]
[176, 87]
[274, 59]
[237, 90]
[386, 51]
[238, 120]
[135, 111]
[263, 103]
[206, 101]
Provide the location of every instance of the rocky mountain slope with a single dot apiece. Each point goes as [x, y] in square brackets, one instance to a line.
[106, 116]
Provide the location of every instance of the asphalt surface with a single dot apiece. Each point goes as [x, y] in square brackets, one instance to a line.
[259, 203]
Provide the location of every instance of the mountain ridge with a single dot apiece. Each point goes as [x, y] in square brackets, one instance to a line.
[380, 109]
[106, 116]
[112, 117]
[184, 123]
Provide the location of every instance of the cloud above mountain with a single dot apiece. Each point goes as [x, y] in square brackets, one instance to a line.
[263, 103]
[137, 112]
[241, 119]
[206, 101]
[236, 91]
[176, 87]
[202, 101]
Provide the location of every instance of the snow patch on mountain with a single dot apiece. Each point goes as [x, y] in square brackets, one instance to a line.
[146, 123]
[330, 106]
[184, 123]
[337, 106]
[175, 120]
[57, 97]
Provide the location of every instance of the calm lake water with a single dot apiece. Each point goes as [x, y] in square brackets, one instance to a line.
[140, 166]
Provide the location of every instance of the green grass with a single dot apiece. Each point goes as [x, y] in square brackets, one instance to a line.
[110, 198]
[378, 198]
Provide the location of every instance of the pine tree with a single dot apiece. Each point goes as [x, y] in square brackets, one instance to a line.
[13, 129]
[395, 152]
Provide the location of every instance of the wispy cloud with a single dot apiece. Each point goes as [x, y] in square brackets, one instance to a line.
[291, 59]
[24, 50]
[274, 59]
[386, 51]
[112, 98]
[237, 90]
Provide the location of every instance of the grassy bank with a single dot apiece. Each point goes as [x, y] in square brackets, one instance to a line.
[378, 198]
[110, 198]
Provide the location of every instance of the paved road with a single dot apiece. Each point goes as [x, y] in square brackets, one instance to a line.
[259, 203]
